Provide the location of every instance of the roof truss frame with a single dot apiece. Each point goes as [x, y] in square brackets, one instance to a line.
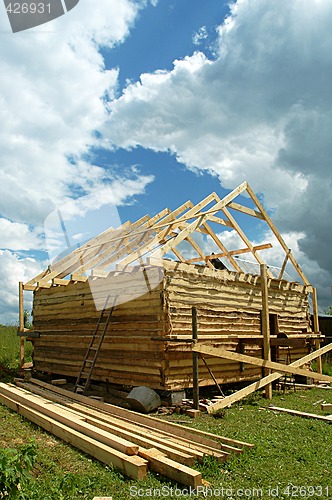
[154, 237]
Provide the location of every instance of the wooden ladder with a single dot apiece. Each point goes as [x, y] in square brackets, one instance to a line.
[94, 348]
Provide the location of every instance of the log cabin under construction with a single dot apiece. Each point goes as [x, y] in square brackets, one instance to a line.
[135, 286]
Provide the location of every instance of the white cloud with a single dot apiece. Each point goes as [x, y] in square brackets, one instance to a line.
[18, 236]
[12, 270]
[201, 34]
[53, 89]
[260, 112]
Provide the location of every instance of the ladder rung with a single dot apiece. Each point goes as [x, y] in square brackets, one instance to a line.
[96, 339]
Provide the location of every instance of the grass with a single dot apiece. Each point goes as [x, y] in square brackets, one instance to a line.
[10, 347]
[326, 364]
[289, 452]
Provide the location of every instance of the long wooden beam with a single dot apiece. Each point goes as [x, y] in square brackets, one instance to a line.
[178, 472]
[138, 240]
[21, 322]
[265, 321]
[316, 327]
[327, 418]
[278, 236]
[237, 396]
[232, 252]
[68, 418]
[245, 210]
[126, 441]
[125, 427]
[243, 358]
[192, 434]
[133, 466]
[244, 238]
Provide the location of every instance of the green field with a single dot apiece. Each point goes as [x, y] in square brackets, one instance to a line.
[291, 458]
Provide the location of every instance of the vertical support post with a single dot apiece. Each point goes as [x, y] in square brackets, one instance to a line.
[21, 321]
[266, 325]
[195, 359]
[316, 327]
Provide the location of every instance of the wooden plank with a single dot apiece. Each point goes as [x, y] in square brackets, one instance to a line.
[126, 246]
[229, 198]
[148, 247]
[182, 454]
[21, 323]
[190, 214]
[232, 252]
[133, 466]
[278, 236]
[199, 251]
[178, 472]
[188, 433]
[245, 210]
[75, 258]
[21, 307]
[80, 259]
[99, 273]
[243, 358]
[78, 277]
[222, 247]
[124, 434]
[68, 418]
[30, 288]
[181, 235]
[181, 450]
[127, 425]
[326, 406]
[219, 220]
[201, 218]
[237, 396]
[148, 437]
[301, 413]
[283, 267]
[316, 327]
[60, 281]
[266, 326]
[244, 238]
[195, 359]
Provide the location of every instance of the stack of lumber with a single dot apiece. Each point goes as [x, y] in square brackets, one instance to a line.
[127, 440]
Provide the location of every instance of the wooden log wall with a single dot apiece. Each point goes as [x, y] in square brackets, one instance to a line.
[66, 317]
[228, 306]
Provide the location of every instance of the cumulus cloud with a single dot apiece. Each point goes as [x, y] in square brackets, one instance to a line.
[12, 270]
[261, 111]
[53, 90]
[18, 236]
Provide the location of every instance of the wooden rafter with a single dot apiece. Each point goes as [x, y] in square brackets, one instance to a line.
[232, 252]
[243, 236]
[278, 236]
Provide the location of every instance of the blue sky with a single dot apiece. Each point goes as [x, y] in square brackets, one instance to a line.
[165, 33]
[143, 104]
